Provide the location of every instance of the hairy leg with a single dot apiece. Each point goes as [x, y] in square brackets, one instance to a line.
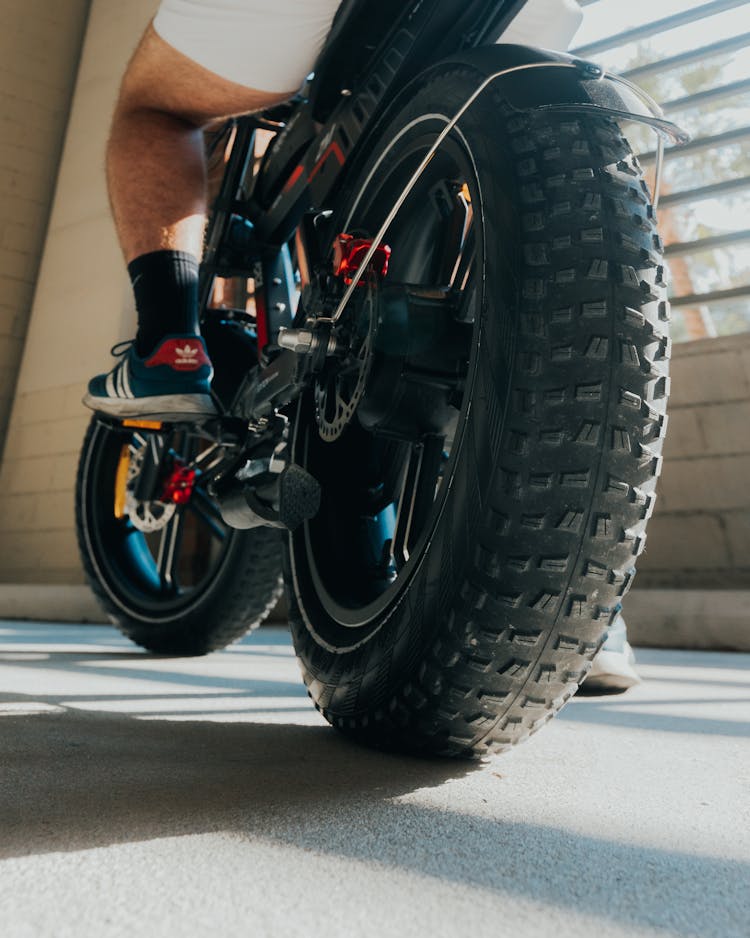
[155, 161]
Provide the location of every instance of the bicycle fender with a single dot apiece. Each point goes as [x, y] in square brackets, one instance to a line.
[541, 79]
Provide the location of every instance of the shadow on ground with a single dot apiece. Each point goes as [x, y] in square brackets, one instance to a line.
[72, 780]
[75, 781]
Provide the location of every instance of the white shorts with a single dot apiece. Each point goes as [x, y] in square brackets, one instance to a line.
[550, 24]
[268, 45]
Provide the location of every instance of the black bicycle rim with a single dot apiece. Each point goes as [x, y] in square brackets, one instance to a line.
[156, 576]
[347, 551]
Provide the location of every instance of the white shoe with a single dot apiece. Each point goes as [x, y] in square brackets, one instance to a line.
[612, 670]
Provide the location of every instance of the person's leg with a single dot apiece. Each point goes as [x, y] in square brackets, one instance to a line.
[157, 186]
[156, 178]
[155, 161]
[198, 63]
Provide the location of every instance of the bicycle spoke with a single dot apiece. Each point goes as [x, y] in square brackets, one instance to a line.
[399, 551]
[426, 484]
[169, 553]
[460, 280]
[417, 496]
[207, 514]
[454, 213]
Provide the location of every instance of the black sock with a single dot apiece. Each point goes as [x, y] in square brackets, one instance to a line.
[165, 284]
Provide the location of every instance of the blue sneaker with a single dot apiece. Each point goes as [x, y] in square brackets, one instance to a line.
[612, 670]
[174, 380]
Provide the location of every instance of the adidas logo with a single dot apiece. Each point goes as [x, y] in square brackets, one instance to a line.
[187, 355]
[180, 354]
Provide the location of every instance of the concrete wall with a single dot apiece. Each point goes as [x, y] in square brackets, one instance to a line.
[81, 307]
[40, 43]
[700, 534]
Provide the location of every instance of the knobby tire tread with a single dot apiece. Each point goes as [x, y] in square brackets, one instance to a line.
[548, 563]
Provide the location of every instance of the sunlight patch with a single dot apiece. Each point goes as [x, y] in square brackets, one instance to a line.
[24, 656]
[266, 717]
[190, 706]
[25, 708]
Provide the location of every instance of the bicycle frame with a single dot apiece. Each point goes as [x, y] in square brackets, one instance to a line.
[321, 134]
[402, 435]
[321, 128]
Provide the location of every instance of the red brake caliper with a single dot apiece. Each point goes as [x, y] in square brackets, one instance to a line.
[349, 252]
[178, 487]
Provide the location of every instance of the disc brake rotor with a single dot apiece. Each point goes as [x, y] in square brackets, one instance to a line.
[146, 516]
[340, 387]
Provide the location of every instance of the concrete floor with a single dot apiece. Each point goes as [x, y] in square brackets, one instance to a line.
[182, 797]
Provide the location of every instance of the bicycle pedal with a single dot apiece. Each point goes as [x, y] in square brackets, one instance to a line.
[299, 496]
[282, 501]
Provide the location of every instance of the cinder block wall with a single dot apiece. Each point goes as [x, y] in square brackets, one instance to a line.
[81, 307]
[40, 43]
[699, 537]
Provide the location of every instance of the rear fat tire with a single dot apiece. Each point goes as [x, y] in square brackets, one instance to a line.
[236, 596]
[554, 482]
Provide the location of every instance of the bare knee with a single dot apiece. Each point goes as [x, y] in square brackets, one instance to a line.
[160, 79]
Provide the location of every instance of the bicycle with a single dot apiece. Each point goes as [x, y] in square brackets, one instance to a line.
[442, 414]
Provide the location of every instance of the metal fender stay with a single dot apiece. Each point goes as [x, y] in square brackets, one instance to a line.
[542, 79]
[538, 79]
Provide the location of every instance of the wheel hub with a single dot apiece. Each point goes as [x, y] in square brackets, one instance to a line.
[404, 373]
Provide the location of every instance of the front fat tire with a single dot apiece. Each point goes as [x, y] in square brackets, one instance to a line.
[536, 545]
[235, 598]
